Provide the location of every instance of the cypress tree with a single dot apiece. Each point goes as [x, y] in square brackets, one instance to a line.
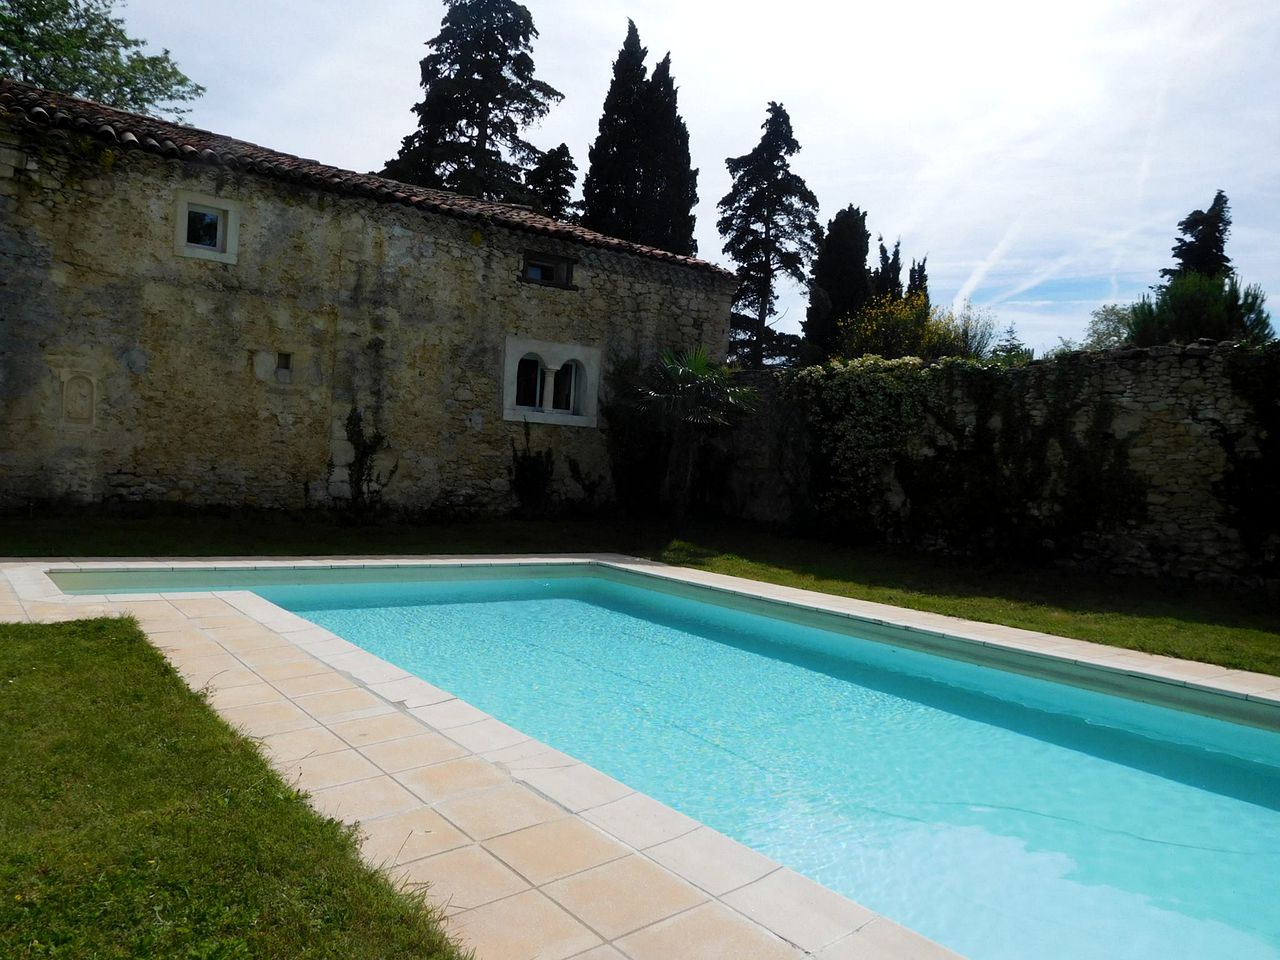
[480, 94]
[840, 285]
[918, 280]
[769, 224]
[550, 183]
[1202, 247]
[669, 182]
[886, 279]
[611, 189]
[639, 184]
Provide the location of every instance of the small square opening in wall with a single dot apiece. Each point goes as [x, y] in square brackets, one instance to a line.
[284, 368]
[208, 228]
[548, 270]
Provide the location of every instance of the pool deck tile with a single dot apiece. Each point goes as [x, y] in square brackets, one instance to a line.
[441, 781]
[576, 787]
[711, 860]
[387, 726]
[487, 734]
[530, 852]
[408, 836]
[363, 800]
[881, 940]
[640, 821]
[428, 747]
[624, 895]
[462, 878]
[555, 849]
[721, 934]
[522, 927]
[502, 809]
[800, 910]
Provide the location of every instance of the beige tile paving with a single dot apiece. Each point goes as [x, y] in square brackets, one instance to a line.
[801, 911]
[388, 726]
[412, 835]
[624, 895]
[497, 810]
[451, 778]
[463, 878]
[406, 753]
[364, 800]
[509, 929]
[329, 769]
[712, 861]
[720, 934]
[555, 849]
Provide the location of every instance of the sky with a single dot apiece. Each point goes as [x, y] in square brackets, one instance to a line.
[1040, 155]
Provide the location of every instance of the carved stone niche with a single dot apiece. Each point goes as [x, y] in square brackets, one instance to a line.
[78, 395]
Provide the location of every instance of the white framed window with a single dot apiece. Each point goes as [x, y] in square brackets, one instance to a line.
[547, 382]
[207, 228]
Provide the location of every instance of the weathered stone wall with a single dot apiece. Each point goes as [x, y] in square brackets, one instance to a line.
[127, 371]
[1193, 432]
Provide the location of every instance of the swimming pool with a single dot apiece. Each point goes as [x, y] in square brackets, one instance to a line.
[1000, 814]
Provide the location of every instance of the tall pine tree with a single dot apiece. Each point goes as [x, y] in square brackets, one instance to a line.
[480, 94]
[840, 285]
[768, 219]
[639, 184]
[550, 183]
[1202, 248]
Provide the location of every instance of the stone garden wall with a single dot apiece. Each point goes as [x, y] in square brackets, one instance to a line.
[130, 373]
[1164, 461]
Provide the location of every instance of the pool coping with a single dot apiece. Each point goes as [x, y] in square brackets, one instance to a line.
[299, 689]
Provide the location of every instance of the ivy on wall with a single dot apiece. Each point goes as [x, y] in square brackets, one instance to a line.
[964, 456]
[1250, 487]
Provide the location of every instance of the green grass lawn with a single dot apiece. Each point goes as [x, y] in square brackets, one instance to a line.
[134, 823]
[1216, 626]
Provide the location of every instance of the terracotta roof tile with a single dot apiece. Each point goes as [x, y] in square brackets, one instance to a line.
[132, 131]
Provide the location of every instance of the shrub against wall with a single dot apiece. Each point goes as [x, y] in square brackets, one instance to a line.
[968, 456]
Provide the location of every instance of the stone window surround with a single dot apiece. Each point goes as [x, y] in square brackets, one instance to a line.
[553, 356]
[230, 209]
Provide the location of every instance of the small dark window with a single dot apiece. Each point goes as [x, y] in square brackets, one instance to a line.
[564, 389]
[546, 269]
[284, 361]
[529, 380]
[206, 228]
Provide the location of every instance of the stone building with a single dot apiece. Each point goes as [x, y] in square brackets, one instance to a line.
[193, 318]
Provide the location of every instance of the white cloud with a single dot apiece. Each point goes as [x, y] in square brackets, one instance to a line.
[1093, 127]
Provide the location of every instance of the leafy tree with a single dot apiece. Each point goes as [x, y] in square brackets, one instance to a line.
[550, 183]
[1195, 305]
[886, 279]
[639, 184]
[779, 347]
[80, 48]
[840, 285]
[480, 94]
[1202, 247]
[1108, 327]
[1010, 351]
[768, 222]
[908, 326]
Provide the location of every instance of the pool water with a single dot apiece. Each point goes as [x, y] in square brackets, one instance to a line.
[1001, 815]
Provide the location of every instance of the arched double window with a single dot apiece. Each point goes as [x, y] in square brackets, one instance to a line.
[566, 385]
[551, 382]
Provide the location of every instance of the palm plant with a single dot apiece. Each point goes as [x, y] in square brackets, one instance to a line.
[691, 396]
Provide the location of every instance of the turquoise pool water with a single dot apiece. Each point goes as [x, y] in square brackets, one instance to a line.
[1003, 816]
